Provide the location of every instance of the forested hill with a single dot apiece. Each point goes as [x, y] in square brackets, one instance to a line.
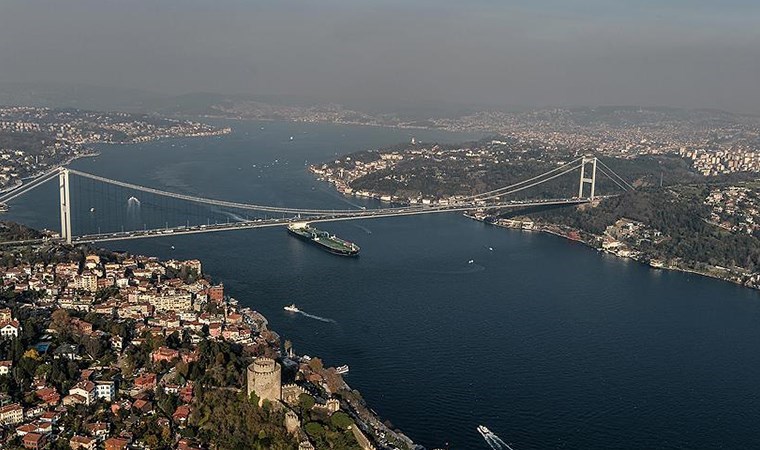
[680, 214]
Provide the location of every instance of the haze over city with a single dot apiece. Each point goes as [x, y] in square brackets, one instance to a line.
[683, 53]
[379, 225]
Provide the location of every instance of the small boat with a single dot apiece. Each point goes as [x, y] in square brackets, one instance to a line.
[470, 261]
[92, 209]
[492, 439]
[292, 308]
[490, 248]
[342, 369]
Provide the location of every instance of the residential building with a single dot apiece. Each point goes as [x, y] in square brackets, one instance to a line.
[9, 330]
[105, 389]
[85, 389]
[11, 414]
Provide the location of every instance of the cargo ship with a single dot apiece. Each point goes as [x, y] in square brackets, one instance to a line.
[323, 239]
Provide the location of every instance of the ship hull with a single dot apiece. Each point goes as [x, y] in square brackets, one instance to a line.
[323, 246]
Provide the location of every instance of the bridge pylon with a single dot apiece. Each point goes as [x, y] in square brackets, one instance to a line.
[65, 202]
[584, 180]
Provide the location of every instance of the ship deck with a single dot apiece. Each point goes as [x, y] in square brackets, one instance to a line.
[337, 245]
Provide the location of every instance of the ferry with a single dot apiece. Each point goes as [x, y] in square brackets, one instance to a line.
[292, 308]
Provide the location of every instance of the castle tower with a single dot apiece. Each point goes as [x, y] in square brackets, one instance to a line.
[265, 379]
[305, 445]
[332, 405]
[292, 423]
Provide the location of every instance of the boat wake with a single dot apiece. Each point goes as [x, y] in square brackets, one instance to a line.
[311, 316]
[467, 269]
[494, 441]
[364, 229]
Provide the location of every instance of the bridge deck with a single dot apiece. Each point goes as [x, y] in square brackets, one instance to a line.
[265, 223]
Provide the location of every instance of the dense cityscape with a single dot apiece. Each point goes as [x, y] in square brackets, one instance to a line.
[115, 351]
[118, 351]
[406, 225]
[716, 142]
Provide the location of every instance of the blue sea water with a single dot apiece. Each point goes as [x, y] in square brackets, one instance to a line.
[550, 344]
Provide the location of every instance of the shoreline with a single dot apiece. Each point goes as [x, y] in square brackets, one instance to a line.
[649, 264]
[737, 278]
[95, 153]
[36, 176]
[323, 122]
[209, 314]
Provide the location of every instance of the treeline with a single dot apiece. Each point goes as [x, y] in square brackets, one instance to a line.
[11, 231]
[231, 421]
[447, 177]
[508, 164]
[679, 213]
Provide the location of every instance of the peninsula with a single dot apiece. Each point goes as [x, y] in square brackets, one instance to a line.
[677, 217]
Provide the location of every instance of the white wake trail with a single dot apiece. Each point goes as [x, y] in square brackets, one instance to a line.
[501, 443]
[494, 445]
[311, 316]
[494, 441]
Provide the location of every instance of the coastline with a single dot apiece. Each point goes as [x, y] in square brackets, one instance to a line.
[33, 177]
[653, 264]
[203, 311]
[556, 230]
[370, 431]
[95, 153]
[743, 279]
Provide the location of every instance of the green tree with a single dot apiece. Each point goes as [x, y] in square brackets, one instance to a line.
[341, 420]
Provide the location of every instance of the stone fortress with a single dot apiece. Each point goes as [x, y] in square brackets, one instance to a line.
[264, 378]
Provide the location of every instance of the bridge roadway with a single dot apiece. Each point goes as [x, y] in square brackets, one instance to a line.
[363, 214]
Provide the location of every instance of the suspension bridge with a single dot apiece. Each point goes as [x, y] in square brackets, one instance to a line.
[111, 195]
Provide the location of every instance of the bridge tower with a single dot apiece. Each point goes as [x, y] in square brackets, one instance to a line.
[65, 196]
[592, 181]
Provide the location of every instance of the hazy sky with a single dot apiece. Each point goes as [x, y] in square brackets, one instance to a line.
[693, 53]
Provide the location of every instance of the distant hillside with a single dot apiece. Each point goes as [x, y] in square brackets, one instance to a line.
[79, 96]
